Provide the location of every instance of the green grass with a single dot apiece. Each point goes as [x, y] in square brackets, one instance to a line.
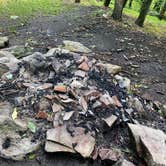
[26, 8]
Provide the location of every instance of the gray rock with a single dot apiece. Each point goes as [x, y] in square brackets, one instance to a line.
[19, 50]
[75, 47]
[9, 60]
[7, 124]
[4, 42]
[3, 69]
[17, 148]
[110, 68]
[150, 144]
[36, 61]
[12, 145]
[56, 51]
[136, 104]
[123, 82]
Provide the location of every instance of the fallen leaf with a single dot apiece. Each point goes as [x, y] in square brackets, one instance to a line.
[32, 156]
[14, 114]
[32, 127]
[41, 115]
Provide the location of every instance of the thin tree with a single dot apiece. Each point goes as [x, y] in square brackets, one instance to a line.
[162, 11]
[107, 3]
[77, 1]
[130, 3]
[143, 12]
[118, 9]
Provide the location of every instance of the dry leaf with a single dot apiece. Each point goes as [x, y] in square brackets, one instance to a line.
[14, 114]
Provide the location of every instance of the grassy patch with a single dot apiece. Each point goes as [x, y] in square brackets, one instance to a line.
[26, 8]
[152, 24]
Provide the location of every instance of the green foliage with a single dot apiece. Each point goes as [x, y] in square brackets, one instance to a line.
[31, 156]
[32, 127]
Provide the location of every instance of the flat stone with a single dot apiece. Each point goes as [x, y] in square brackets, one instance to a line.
[110, 68]
[150, 144]
[60, 135]
[109, 154]
[110, 120]
[75, 47]
[55, 147]
[84, 143]
[154, 151]
[4, 42]
[68, 115]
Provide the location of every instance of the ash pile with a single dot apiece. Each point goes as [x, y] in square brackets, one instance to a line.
[68, 101]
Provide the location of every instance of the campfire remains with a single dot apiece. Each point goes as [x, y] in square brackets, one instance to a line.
[68, 101]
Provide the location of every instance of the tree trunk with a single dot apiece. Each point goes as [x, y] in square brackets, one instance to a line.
[162, 12]
[124, 4]
[118, 9]
[144, 10]
[130, 3]
[107, 3]
[77, 1]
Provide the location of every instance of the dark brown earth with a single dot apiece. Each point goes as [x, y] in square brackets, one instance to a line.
[142, 56]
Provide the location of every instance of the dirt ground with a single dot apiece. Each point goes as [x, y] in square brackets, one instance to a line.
[142, 56]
